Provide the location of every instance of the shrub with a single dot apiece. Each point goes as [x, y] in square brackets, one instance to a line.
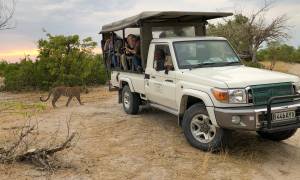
[253, 64]
[63, 60]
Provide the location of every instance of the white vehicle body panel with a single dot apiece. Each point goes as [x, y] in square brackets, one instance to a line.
[169, 90]
[241, 76]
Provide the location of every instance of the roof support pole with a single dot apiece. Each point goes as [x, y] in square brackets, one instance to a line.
[146, 37]
[123, 34]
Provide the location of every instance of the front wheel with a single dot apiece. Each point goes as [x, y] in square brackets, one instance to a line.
[200, 131]
[130, 101]
[277, 136]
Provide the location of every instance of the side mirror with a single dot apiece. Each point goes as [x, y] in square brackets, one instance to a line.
[167, 70]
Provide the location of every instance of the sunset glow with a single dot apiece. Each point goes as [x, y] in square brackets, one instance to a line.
[16, 55]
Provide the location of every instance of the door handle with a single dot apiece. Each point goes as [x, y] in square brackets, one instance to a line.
[147, 76]
[153, 77]
[169, 80]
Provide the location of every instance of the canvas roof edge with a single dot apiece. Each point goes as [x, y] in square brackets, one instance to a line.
[134, 21]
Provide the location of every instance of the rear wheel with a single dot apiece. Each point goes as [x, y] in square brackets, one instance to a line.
[200, 131]
[130, 100]
[277, 136]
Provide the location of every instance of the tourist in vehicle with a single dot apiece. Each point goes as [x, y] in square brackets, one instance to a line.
[168, 63]
[118, 44]
[130, 45]
[163, 34]
[132, 52]
[159, 60]
[137, 62]
[107, 51]
[126, 58]
[112, 48]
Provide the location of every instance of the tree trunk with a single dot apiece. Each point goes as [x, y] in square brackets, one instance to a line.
[254, 51]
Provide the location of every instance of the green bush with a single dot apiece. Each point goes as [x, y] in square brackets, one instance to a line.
[253, 64]
[3, 66]
[63, 60]
[281, 52]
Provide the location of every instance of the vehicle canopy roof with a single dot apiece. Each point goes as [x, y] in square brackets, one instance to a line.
[161, 17]
[150, 21]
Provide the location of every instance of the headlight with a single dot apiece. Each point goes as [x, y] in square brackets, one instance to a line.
[232, 96]
[297, 87]
[237, 96]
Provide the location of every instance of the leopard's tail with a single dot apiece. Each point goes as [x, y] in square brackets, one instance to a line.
[45, 100]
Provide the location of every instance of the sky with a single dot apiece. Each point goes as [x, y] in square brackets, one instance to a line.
[85, 18]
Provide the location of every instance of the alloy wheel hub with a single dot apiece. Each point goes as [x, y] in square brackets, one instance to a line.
[202, 128]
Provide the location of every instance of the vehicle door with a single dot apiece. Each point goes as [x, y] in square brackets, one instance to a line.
[160, 87]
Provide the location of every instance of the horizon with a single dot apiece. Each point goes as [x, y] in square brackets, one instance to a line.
[85, 18]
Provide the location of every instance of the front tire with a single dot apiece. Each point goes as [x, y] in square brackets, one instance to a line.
[200, 132]
[130, 100]
[277, 136]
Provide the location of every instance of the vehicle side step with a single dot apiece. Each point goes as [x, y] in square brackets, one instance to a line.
[164, 108]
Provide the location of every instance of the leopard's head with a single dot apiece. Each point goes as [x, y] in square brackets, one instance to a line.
[85, 90]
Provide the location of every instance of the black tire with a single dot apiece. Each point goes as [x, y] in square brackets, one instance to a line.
[219, 140]
[277, 136]
[130, 105]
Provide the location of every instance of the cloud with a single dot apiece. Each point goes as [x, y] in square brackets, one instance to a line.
[85, 17]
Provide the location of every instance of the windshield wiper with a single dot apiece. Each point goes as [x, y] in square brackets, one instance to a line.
[203, 65]
[232, 63]
[213, 64]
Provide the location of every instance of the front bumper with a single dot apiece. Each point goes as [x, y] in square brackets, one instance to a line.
[260, 118]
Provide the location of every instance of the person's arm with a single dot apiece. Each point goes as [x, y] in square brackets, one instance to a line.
[106, 45]
[137, 50]
[132, 51]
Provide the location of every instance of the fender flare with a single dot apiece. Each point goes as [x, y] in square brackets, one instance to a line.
[203, 96]
[124, 79]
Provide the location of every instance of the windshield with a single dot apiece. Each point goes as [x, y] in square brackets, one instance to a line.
[193, 54]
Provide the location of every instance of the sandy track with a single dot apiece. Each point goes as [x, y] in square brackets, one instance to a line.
[114, 145]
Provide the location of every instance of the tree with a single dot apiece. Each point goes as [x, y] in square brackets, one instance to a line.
[233, 30]
[65, 60]
[62, 60]
[247, 33]
[260, 31]
[276, 51]
[7, 9]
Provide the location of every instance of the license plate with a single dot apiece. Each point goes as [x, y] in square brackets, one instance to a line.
[279, 116]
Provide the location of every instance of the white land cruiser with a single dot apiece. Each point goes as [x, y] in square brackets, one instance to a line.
[204, 83]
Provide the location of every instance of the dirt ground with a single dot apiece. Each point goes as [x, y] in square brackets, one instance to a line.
[114, 145]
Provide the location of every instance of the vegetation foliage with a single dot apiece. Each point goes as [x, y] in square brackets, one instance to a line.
[247, 33]
[67, 60]
[62, 60]
[234, 30]
[254, 64]
[280, 52]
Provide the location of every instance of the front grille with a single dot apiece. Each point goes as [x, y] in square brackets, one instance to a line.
[298, 113]
[260, 94]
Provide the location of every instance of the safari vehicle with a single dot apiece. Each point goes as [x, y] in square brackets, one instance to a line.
[205, 84]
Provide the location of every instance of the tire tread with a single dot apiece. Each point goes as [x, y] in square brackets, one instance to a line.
[222, 136]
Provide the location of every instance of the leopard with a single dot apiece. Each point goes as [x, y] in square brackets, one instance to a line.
[69, 92]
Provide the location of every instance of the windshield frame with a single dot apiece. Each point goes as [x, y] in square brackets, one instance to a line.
[239, 62]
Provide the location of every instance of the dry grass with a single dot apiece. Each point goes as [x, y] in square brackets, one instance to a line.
[291, 68]
[280, 66]
[114, 145]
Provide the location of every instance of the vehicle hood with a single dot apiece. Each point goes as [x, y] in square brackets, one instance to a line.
[240, 76]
